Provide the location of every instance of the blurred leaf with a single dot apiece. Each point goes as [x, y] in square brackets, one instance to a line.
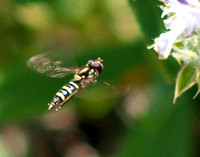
[166, 131]
[198, 82]
[3, 150]
[14, 37]
[185, 79]
[149, 17]
[29, 1]
[88, 107]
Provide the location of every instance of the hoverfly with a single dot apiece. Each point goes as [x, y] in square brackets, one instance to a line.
[82, 76]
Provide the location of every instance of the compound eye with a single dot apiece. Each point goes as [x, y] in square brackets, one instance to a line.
[94, 64]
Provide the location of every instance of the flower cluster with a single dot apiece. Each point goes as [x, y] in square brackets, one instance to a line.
[183, 18]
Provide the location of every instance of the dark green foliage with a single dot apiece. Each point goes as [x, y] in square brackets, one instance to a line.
[148, 15]
[165, 131]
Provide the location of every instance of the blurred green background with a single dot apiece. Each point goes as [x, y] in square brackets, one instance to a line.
[128, 112]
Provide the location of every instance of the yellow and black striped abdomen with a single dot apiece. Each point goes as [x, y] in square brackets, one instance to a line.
[68, 91]
[65, 94]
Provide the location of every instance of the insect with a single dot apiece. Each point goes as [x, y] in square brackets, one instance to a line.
[83, 76]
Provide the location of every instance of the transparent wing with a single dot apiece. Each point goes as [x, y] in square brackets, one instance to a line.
[45, 65]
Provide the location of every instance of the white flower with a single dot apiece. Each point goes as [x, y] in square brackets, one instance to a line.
[185, 19]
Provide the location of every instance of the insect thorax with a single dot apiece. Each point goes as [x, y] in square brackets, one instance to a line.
[85, 76]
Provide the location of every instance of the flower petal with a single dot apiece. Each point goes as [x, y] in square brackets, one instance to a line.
[164, 43]
[185, 19]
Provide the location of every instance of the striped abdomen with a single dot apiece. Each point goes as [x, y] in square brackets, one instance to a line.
[65, 94]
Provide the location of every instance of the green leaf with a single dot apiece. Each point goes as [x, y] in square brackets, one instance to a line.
[186, 79]
[148, 15]
[165, 131]
[198, 82]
